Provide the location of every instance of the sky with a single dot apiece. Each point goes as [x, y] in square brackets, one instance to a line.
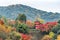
[46, 5]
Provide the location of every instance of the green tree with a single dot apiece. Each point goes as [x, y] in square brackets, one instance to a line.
[15, 35]
[56, 28]
[21, 17]
[59, 21]
[22, 28]
[5, 20]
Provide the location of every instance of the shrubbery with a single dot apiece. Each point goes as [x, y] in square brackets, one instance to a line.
[22, 28]
[56, 28]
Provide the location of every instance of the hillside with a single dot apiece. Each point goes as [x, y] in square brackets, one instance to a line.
[13, 10]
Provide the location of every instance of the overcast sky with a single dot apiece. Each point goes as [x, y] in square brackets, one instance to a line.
[46, 5]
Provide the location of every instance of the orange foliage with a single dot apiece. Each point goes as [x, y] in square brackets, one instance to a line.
[46, 37]
[1, 22]
[58, 37]
[5, 29]
[29, 23]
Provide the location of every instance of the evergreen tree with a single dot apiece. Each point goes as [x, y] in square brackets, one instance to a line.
[21, 17]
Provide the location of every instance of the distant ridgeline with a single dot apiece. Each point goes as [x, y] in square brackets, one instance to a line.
[13, 10]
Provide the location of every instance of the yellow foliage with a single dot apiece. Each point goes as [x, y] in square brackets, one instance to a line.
[5, 29]
[41, 20]
[46, 37]
[51, 34]
[58, 37]
[2, 28]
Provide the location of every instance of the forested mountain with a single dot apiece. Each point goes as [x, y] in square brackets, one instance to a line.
[12, 11]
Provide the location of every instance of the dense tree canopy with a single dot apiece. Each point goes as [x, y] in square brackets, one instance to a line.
[21, 17]
[22, 28]
[56, 28]
[59, 21]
